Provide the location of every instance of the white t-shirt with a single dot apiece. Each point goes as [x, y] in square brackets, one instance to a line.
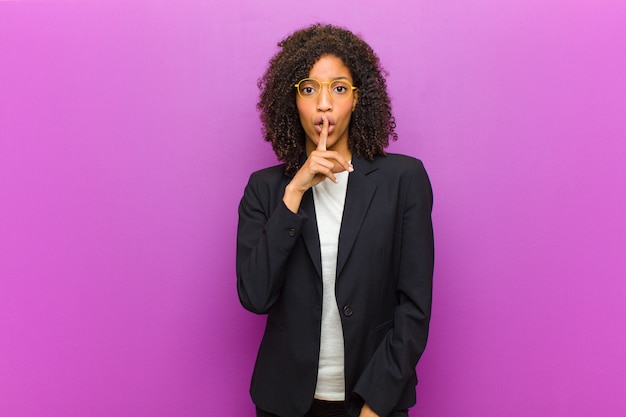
[329, 199]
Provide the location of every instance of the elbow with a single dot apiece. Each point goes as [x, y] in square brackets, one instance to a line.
[251, 300]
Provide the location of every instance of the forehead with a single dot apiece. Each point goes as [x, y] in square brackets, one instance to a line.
[329, 67]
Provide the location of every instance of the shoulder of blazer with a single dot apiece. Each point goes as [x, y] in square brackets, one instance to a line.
[268, 181]
[270, 173]
[390, 163]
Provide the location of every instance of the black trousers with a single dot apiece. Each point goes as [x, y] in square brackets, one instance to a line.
[318, 409]
[326, 409]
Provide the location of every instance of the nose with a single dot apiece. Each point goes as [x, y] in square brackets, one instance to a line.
[324, 100]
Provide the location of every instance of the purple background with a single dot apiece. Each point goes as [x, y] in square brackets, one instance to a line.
[128, 131]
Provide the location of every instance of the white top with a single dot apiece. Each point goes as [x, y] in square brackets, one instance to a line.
[329, 199]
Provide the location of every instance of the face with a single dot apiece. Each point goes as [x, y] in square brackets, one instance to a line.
[328, 68]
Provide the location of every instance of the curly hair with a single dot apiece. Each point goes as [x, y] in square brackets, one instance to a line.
[371, 123]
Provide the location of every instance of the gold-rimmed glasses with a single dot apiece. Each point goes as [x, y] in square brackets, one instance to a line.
[310, 88]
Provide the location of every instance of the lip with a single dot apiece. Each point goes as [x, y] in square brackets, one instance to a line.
[318, 124]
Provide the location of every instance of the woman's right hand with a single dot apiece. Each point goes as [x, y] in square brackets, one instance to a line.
[320, 164]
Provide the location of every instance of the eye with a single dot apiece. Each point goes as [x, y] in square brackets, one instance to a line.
[308, 88]
[340, 88]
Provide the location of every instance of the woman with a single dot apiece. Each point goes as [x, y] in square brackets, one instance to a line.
[335, 245]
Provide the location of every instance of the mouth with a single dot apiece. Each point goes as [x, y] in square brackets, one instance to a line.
[319, 125]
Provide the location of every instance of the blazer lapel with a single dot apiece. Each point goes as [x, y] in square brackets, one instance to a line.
[358, 198]
[310, 233]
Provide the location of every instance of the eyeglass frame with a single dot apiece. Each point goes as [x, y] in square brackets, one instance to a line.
[321, 83]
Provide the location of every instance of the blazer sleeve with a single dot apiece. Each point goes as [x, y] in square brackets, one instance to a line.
[266, 234]
[392, 367]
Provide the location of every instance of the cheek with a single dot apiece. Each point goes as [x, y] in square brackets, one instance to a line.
[303, 109]
[347, 115]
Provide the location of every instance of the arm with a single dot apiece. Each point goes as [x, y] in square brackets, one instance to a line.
[391, 368]
[264, 241]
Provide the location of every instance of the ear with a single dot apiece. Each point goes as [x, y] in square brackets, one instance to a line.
[355, 99]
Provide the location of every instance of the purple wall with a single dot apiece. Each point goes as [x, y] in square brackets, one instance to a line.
[128, 131]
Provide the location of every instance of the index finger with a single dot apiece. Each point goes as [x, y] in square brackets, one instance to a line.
[321, 145]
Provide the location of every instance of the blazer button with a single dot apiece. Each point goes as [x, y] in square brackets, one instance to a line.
[347, 311]
[292, 232]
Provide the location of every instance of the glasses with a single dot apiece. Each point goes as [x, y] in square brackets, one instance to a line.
[310, 88]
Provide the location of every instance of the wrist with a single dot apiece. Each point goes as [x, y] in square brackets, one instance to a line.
[366, 411]
[292, 197]
[294, 190]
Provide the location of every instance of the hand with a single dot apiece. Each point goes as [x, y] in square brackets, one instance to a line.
[320, 164]
[366, 411]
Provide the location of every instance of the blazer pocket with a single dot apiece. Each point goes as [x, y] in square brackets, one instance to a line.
[383, 327]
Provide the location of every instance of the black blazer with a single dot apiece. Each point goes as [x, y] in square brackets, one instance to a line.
[383, 285]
